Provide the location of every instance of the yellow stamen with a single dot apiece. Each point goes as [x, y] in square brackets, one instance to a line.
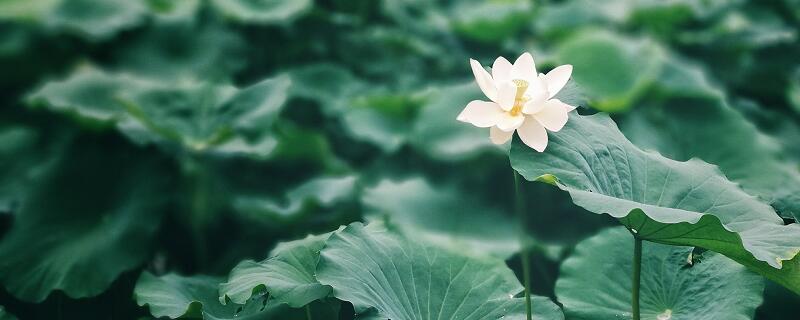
[520, 98]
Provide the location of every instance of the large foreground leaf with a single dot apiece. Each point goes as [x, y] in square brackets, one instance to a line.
[598, 286]
[290, 276]
[386, 275]
[83, 223]
[175, 296]
[681, 203]
[444, 217]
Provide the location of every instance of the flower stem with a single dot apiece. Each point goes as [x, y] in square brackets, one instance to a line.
[637, 272]
[519, 207]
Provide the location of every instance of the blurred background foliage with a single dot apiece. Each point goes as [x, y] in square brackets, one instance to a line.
[185, 136]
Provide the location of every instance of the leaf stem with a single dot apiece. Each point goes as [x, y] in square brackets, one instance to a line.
[519, 208]
[637, 271]
[197, 179]
[308, 311]
[59, 306]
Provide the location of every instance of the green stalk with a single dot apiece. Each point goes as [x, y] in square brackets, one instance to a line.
[59, 303]
[637, 275]
[198, 180]
[308, 311]
[519, 205]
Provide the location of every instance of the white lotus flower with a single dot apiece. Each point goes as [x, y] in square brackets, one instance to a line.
[522, 100]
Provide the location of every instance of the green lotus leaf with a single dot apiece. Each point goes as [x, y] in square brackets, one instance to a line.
[80, 239]
[611, 69]
[469, 19]
[701, 10]
[288, 275]
[691, 127]
[421, 16]
[670, 18]
[432, 21]
[598, 286]
[318, 193]
[374, 115]
[441, 215]
[779, 125]
[745, 29]
[381, 118]
[179, 49]
[174, 10]
[740, 36]
[388, 276]
[88, 94]
[95, 20]
[198, 117]
[325, 84]
[4, 315]
[174, 296]
[680, 203]
[682, 78]
[308, 146]
[418, 40]
[435, 132]
[557, 19]
[202, 117]
[664, 17]
[778, 302]
[793, 93]
[27, 156]
[377, 116]
[263, 11]
[26, 9]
